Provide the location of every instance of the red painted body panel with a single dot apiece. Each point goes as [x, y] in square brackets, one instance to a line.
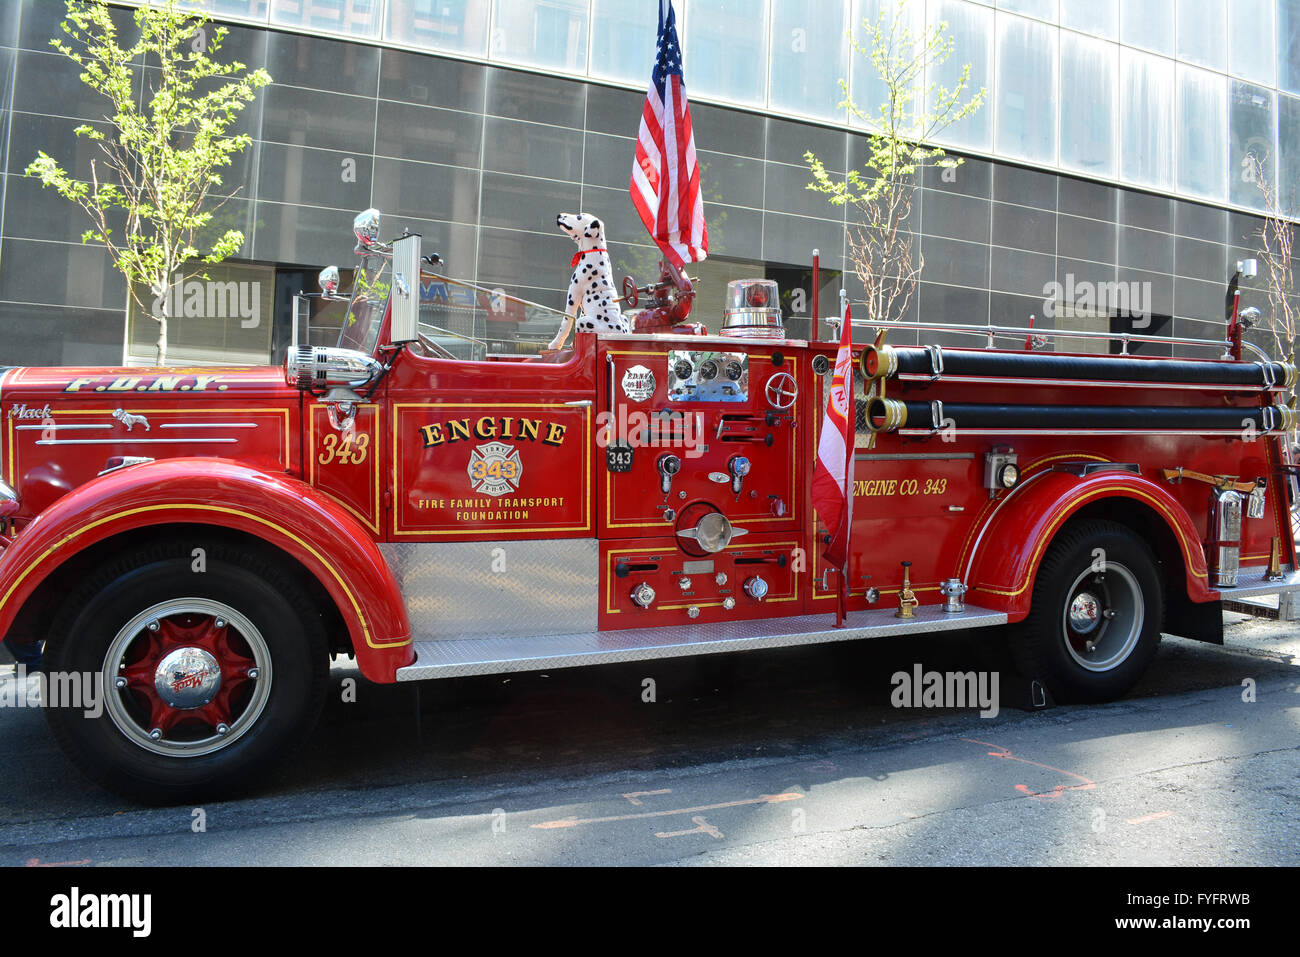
[278, 509]
[1009, 545]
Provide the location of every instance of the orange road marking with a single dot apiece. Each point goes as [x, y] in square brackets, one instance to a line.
[633, 795]
[1024, 789]
[702, 827]
[1148, 817]
[36, 862]
[763, 799]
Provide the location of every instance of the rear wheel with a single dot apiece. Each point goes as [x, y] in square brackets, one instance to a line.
[1097, 611]
[209, 671]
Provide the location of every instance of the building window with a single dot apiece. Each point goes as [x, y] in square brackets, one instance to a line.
[1202, 133]
[459, 26]
[1089, 69]
[226, 319]
[726, 49]
[544, 33]
[1025, 99]
[1147, 119]
[971, 30]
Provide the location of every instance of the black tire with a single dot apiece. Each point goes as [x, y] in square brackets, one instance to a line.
[285, 640]
[1048, 646]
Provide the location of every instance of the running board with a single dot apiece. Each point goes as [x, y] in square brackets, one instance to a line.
[457, 657]
[1252, 583]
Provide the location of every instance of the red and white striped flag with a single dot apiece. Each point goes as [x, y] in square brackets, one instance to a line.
[665, 177]
[833, 476]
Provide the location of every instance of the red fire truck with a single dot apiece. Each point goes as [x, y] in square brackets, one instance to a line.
[439, 502]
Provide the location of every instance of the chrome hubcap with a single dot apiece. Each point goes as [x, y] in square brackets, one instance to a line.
[1103, 617]
[1084, 612]
[187, 678]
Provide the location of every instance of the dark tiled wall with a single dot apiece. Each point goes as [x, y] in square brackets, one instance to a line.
[479, 159]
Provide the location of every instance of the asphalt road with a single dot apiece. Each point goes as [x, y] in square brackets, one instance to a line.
[789, 757]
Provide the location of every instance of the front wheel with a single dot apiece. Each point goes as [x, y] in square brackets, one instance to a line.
[201, 668]
[1096, 615]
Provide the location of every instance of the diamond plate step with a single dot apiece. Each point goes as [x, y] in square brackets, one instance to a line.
[456, 657]
[1251, 583]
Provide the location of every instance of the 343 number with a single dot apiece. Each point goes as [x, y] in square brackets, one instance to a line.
[352, 450]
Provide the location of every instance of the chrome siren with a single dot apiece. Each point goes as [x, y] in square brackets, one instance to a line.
[752, 310]
[320, 369]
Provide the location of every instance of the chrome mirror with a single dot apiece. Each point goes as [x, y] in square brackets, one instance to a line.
[329, 281]
[366, 228]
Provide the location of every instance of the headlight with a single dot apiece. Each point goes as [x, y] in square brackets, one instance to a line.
[10, 503]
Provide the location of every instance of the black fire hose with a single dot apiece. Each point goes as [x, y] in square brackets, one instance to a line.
[889, 362]
[894, 415]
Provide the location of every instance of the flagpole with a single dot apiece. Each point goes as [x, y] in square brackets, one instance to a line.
[850, 417]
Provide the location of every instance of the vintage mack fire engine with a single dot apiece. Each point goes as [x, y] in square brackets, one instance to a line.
[438, 501]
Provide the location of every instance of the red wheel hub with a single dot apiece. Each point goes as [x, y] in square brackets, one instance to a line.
[181, 658]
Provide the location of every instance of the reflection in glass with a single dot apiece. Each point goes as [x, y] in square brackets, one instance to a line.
[971, 30]
[1202, 133]
[1251, 40]
[1288, 45]
[809, 58]
[1201, 25]
[1146, 119]
[548, 33]
[1026, 91]
[726, 49]
[1098, 17]
[623, 39]
[1148, 24]
[1088, 104]
[456, 25]
[358, 18]
[1041, 9]
[1252, 129]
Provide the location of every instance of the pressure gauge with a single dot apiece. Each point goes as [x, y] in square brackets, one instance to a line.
[708, 371]
[682, 369]
[734, 371]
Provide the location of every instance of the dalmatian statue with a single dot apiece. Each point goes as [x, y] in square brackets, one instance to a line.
[592, 299]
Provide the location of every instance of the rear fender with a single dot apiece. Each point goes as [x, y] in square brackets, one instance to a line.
[276, 508]
[1010, 545]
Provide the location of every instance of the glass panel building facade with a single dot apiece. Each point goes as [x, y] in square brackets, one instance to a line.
[1112, 147]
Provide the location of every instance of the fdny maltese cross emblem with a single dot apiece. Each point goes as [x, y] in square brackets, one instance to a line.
[495, 469]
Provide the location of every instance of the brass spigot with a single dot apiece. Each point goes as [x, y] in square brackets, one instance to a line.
[907, 599]
[1274, 573]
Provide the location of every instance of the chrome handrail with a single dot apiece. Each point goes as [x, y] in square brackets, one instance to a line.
[1018, 332]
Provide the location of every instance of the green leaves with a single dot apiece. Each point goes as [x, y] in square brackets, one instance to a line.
[160, 153]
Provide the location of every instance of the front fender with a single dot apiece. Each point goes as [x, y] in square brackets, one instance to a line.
[1010, 545]
[276, 508]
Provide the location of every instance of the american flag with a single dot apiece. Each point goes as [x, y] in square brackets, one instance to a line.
[833, 475]
[665, 176]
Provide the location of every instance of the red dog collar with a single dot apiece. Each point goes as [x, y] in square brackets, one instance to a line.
[573, 264]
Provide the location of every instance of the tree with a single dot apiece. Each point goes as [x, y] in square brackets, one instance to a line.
[159, 158]
[1276, 238]
[881, 250]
